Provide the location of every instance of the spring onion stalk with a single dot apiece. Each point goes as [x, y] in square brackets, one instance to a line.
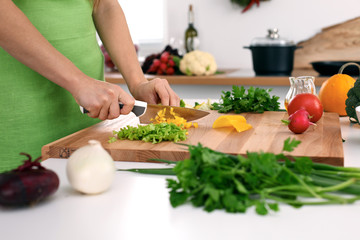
[215, 180]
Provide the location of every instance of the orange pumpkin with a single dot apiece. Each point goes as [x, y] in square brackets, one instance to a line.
[333, 92]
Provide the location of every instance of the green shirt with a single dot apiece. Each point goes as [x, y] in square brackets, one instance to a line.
[33, 110]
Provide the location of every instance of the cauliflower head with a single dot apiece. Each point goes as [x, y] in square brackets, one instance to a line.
[198, 63]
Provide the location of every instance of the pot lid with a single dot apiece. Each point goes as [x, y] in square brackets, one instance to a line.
[272, 39]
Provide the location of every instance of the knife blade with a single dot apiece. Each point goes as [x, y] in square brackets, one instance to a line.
[148, 111]
[189, 114]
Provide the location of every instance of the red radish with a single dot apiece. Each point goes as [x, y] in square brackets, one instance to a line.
[170, 71]
[163, 67]
[28, 184]
[156, 63]
[164, 57]
[108, 62]
[299, 121]
[159, 72]
[152, 69]
[171, 63]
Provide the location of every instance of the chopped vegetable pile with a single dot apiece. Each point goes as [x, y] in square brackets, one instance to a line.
[154, 133]
[175, 119]
[215, 180]
[162, 128]
[255, 100]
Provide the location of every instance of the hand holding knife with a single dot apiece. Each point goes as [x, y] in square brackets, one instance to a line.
[147, 111]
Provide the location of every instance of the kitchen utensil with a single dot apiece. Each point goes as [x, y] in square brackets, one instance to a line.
[329, 68]
[147, 111]
[139, 108]
[322, 144]
[272, 55]
[189, 114]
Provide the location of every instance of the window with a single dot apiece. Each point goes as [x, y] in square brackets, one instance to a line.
[146, 20]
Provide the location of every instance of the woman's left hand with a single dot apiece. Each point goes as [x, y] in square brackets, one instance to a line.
[156, 91]
[111, 25]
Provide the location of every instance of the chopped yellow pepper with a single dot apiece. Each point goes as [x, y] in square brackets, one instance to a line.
[175, 118]
[236, 121]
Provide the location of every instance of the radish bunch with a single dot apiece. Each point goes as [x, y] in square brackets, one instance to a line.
[304, 109]
[164, 63]
[163, 66]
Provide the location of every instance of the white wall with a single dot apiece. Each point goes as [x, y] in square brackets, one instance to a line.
[224, 30]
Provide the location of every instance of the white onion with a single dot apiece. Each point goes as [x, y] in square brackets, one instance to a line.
[90, 169]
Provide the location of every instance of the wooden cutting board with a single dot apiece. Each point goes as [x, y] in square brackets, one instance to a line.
[322, 143]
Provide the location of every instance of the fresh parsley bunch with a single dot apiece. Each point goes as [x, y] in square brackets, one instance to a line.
[254, 100]
[215, 180]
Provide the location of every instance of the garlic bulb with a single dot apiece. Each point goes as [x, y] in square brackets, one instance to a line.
[90, 169]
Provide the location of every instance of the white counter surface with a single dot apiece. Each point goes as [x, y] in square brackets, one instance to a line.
[137, 207]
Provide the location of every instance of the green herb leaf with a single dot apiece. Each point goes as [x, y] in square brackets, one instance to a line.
[178, 198]
[255, 100]
[303, 165]
[290, 144]
[261, 209]
[176, 60]
[182, 103]
[274, 206]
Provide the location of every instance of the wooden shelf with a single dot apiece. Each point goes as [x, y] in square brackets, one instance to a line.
[244, 77]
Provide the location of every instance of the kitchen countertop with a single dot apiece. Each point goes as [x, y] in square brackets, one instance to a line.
[137, 207]
[228, 77]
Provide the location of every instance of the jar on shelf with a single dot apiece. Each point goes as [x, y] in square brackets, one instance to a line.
[302, 84]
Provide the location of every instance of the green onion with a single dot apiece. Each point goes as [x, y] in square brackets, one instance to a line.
[215, 180]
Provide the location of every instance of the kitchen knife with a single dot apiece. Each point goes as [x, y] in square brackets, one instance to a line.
[139, 108]
[189, 114]
[148, 111]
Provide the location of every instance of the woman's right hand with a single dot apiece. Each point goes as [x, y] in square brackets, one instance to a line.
[102, 99]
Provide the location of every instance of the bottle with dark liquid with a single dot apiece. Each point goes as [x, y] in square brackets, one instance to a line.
[191, 35]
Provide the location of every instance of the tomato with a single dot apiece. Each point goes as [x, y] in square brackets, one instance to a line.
[309, 102]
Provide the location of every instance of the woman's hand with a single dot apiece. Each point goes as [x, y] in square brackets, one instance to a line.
[156, 91]
[102, 99]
